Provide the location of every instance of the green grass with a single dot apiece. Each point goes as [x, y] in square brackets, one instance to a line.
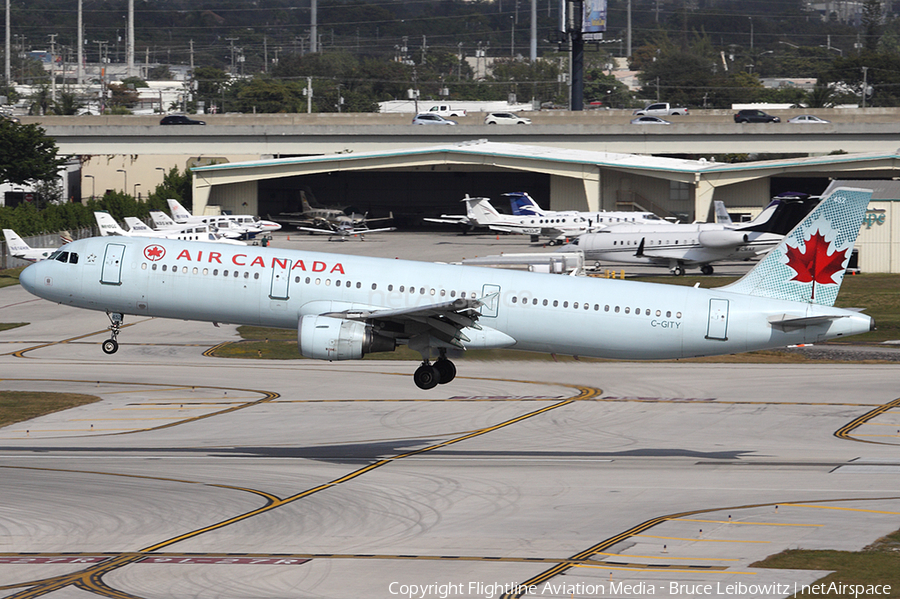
[878, 563]
[5, 326]
[17, 406]
[10, 276]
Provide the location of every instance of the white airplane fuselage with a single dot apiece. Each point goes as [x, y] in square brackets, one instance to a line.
[567, 315]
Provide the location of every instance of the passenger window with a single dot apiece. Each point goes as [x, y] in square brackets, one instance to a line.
[390, 287]
[236, 273]
[374, 286]
[205, 271]
[463, 294]
[164, 268]
[627, 310]
[668, 314]
[327, 282]
[224, 272]
[658, 312]
[144, 266]
[555, 303]
[678, 315]
[184, 270]
[215, 271]
[606, 308]
[246, 274]
[256, 275]
[402, 287]
[337, 283]
[453, 293]
[196, 270]
[513, 299]
[534, 302]
[575, 305]
[296, 279]
[545, 302]
[318, 281]
[421, 291]
[617, 309]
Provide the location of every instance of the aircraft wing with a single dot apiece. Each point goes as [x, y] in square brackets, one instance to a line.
[444, 320]
[364, 231]
[450, 219]
[321, 231]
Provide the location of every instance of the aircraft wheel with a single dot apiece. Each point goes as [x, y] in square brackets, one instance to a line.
[706, 269]
[426, 377]
[110, 346]
[678, 271]
[446, 371]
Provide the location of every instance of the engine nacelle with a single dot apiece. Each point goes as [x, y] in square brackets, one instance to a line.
[722, 239]
[327, 338]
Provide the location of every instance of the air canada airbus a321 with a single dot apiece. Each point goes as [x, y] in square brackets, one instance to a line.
[345, 307]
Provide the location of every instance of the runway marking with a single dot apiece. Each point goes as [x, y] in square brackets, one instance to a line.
[701, 540]
[635, 531]
[21, 353]
[845, 509]
[844, 431]
[643, 568]
[90, 579]
[267, 396]
[744, 522]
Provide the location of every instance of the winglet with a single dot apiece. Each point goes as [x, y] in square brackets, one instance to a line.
[809, 263]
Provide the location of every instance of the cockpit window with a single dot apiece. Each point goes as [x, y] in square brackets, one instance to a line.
[73, 258]
[62, 257]
[54, 255]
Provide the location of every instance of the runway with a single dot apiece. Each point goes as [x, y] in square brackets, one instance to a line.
[200, 477]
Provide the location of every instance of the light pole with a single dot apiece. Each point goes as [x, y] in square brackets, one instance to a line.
[751, 33]
[136, 185]
[124, 172]
[93, 184]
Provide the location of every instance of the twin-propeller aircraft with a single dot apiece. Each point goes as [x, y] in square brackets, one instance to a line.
[345, 307]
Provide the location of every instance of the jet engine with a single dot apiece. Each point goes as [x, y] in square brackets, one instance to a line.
[328, 338]
[722, 239]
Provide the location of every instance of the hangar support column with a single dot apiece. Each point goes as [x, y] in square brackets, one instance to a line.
[580, 192]
[703, 198]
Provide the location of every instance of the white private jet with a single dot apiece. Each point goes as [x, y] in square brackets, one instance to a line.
[252, 225]
[21, 250]
[163, 222]
[523, 204]
[682, 246]
[199, 232]
[345, 307]
[559, 227]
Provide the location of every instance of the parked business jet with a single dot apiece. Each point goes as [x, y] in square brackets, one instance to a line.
[345, 307]
[559, 227]
[251, 224]
[163, 222]
[683, 246]
[199, 232]
[523, 204]
[21, 250]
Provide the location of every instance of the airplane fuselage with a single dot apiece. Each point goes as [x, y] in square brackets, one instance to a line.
[275, 287]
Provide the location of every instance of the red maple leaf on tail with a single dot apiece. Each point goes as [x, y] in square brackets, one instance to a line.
[815, 264]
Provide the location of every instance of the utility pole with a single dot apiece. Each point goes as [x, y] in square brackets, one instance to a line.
[576, 39]
[532, 49]
[53, 66]
[313, 27]
[129, 44]
[80, 69]
[865, 85]
[6, 71]
[232, 40]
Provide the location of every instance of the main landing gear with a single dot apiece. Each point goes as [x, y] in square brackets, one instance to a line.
[111, 346]
[706, 269]
[428, 375]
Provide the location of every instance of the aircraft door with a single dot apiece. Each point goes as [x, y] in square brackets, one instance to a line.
[281, 277]
[490, 295]
[718, 320]
[112, 264]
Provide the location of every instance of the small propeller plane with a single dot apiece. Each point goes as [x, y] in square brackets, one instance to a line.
[345, 307]
[21, 250]
[344, 231]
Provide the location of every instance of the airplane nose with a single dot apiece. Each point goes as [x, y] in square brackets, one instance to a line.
[28, 278]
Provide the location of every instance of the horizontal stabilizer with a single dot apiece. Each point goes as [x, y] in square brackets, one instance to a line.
[786, 322]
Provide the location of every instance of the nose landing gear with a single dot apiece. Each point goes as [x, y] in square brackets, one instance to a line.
[111, 346]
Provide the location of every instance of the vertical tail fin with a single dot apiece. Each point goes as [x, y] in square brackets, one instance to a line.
[65, 237]
[108, 225]
[14, 243]
[722, 216]
[179, 213]
[809, 263]
[161, 220]
[137, 225]
[481, 211]
[523, 204]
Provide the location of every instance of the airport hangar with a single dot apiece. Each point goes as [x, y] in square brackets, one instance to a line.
[413, 183]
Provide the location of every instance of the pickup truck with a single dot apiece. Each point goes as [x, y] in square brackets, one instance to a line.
[660, 109]
[444, 110]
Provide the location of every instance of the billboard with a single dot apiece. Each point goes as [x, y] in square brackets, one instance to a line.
[591, 22]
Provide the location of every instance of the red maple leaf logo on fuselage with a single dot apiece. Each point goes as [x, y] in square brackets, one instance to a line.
[815, 264]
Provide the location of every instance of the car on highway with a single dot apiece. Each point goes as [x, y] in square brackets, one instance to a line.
[807, 118]
[505, 118]
[650, 120]
[426, 118]
[752, 115]
[179, 119]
